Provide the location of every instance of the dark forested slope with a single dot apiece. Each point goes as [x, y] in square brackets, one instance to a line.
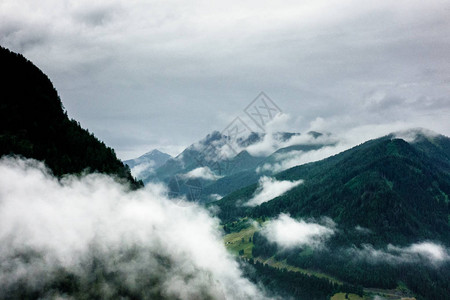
[399, 190]
[33, 124]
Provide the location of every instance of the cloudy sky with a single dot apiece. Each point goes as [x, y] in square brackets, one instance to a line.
[146, 74]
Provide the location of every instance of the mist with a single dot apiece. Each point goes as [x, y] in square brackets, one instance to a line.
[290, 233]
[425, 252]
[270, 188]
[90, 235]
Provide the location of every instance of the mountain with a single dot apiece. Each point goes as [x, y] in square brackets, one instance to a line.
[215, 166]
[387, 185]
[211, 151]
[388, 199]
[34, 124]
[245, 177]
[144, 165]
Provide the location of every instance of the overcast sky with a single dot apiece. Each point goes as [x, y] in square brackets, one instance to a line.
[163, 74]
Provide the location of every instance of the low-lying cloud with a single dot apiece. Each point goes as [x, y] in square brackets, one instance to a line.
[91, 236]
[411, 135]
[294, 158]
[270, 188]
[289, 233]
[142, 169]
[337, 142]
[426, 252]
[202, 173]
[274, 140]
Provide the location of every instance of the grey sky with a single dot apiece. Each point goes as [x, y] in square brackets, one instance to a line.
[162, 74]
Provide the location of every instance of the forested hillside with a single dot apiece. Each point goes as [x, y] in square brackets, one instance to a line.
[397, 189]
[34, 124]
[388, 198]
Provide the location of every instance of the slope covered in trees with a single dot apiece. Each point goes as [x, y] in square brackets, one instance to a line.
[398, 190]
[33, 124]
[384, 196]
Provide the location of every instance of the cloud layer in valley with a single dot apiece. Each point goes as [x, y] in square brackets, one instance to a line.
[202, 173]
[91, 235]
[270, 188]
[290, 233]
[425, 252]
[143, 169]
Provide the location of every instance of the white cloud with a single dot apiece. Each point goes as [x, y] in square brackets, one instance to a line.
[363, 230]
[339, 141]
[287, 232]
[144, 168]
[411, 135]
[269, 188]
[92, 225]
[215, 197]
[426, 252]
[203, 173]
[272, 141]
[294, 158]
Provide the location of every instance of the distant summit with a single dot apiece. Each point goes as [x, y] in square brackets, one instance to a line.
[147, 163]
[220, 164]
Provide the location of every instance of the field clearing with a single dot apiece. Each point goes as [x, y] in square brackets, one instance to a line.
[283, 265]
[341, 296]
[237, 241]
[241, 240]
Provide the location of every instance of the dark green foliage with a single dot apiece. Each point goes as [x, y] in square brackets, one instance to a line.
[428, 281]
[236, 226]
[387, 185]
[398, 191]
[33, 124]
[295, 285]
[262, 247]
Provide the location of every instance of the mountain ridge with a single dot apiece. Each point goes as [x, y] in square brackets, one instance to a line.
[347, 177]
[34, 124]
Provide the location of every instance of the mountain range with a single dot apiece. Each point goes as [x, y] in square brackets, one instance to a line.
[145, 164]
[394, 188]
[371, 221]
[384, 204]
[218, 167]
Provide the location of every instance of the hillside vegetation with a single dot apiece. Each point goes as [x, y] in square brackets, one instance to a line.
[34, 124]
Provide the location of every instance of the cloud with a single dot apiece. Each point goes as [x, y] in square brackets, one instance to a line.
[270, 142]
[270, 188]
[425, 252]
[363, 230]
[273, 139]
[294, 158]
[339, 141]
[91, 235]
[144, 168]
[287, 232]
[411, 135]
[215, 197]
[203, 173]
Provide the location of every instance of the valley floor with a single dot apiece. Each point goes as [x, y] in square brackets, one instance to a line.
[240, 244]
